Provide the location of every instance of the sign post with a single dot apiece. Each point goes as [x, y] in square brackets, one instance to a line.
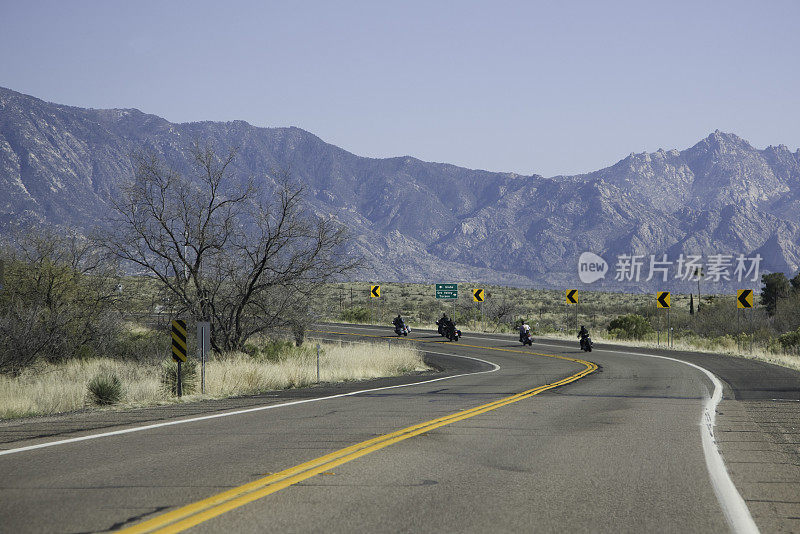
[374, 293]
[448, 292]
[663, 300]
[179, 348]
[572, 298]
[203, 342]
[478, 295]
[744, 300]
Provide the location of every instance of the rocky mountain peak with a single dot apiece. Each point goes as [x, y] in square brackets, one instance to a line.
[420, 221]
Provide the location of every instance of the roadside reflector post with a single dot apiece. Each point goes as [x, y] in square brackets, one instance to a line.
[317, 363]
[203, 343]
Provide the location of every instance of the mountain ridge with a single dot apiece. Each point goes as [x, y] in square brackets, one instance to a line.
[422, 221]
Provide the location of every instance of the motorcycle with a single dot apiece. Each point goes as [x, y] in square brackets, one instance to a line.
[453, 334]
[526, 339]
[402, 329]
[586, 343]
[441, 326]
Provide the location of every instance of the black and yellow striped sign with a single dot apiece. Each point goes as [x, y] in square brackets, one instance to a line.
[375, 291]
[663, 299]
[477, 295]
[179, 340]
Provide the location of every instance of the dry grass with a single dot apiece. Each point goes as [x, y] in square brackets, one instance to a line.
[50, 388]
[239, 374]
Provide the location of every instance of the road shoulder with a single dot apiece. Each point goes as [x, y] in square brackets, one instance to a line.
[30, 430]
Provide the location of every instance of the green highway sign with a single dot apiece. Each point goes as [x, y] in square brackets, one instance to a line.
[446, 291]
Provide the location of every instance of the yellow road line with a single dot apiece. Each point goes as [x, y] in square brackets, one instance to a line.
[203, 510]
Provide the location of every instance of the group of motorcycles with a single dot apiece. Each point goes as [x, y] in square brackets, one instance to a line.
[526, 338]
[448, 329]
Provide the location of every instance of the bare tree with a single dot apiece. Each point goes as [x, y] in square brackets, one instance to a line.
[243, 256]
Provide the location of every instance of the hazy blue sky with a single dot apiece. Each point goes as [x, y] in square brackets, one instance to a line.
[530, 87]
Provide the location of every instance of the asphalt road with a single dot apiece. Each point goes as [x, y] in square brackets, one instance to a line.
[625, 448]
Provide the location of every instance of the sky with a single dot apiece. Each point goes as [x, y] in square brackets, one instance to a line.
[528, 87]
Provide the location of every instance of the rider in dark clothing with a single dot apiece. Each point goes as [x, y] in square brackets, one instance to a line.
[450, 326]
[583, 335]
[442, 323]
[398, 321]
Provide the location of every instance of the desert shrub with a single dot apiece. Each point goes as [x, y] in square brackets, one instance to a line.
[141, 344]
[271, 350]
[355, 315]
[630, 326]
[104, 389]
[169, 376]
[790, 340]
[57, 300]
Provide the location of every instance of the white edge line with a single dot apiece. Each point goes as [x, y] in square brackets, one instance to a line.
[247, 410]
[733, 505]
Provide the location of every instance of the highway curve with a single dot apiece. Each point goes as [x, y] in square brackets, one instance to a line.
[517, 439]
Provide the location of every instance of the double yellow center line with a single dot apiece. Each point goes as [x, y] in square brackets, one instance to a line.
[200, 511]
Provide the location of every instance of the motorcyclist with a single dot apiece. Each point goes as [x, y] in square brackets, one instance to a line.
[583, 332]
[450, 326]
[583, 335]
[442, 323]
[524, 330]
[399, 324]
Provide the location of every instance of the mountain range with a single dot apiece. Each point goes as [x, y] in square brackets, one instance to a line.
[420, 221]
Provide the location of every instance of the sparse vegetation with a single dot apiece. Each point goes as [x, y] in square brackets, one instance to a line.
[629, 326]
[57, 300]
[169, 376]
[275, 364]
[715, 325]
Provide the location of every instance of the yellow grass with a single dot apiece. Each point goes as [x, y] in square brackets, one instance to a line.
[55, 388]
[239, 374]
